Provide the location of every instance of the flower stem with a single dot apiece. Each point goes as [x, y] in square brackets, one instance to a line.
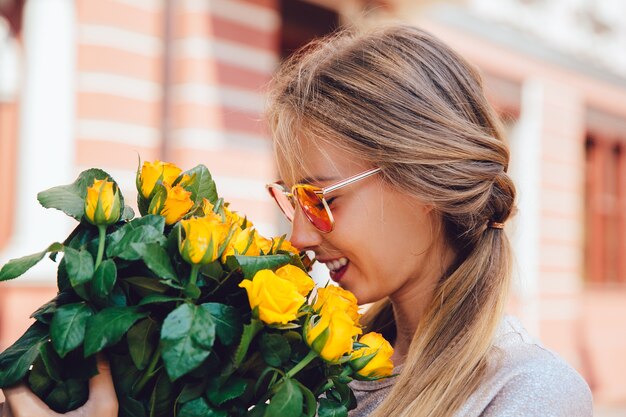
[193, 275]
[102, 232]
[300, 365]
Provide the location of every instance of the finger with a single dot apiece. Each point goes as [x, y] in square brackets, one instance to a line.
[22, 401]
[6, 411]
[101, 388]
[101, 385]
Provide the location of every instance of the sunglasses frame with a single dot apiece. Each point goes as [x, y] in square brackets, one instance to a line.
[321, 192]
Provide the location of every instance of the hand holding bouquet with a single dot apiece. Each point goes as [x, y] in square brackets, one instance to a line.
[198, 314]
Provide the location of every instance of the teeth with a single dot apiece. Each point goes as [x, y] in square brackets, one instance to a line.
[335, 264]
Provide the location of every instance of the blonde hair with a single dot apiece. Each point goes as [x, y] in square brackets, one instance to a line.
[401, 100]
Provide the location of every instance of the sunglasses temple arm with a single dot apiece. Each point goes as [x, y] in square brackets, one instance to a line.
[350, 180]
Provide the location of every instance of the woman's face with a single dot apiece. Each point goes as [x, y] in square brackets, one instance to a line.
[383, 243]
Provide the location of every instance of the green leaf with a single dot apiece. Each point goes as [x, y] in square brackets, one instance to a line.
[67, 329]
[227, 321]
[81, 236]
[159, 298]
[15, 361]
[16, 267]
[129, 407]
[202, 186]
[249, 332]
[250, 265]
[38, 379]
[199, 408]
[76, 366]
[233, 388]
[104, 279]
[287, 401]
[108, 326]
[142, 341]
[162, 398]
[330, 408]
[142, 235]
[124, 373]
[191, 391]
[63, 279]
[114, 238]
[187, 337]
[70, 198]
[52, 361]
[310, 402]
[68, 395]
[147, 285]
[79, 264]
[274, 348]
[156, 259]
[45, 312]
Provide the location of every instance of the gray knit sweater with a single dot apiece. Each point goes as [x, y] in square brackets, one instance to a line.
[523, 379]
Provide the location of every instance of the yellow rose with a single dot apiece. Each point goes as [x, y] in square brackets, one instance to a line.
[242, 243]
[264, 244]
[172, 205]
[286, 246]
[102, 204]
[151, 172]
[378, 366]
[207, 207]
[205, 239]
[333, 297]
[235, 218]
[332, 335]
[301, 279]
[186, 180]
[277, 299]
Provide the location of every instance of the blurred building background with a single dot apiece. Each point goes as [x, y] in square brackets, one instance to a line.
[100, 82]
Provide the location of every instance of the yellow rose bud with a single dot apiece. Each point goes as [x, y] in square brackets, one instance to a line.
[301, 279]
[277, 299]
[151, 172]
[205, 239]
[333, 297]
[332, 335]
[378, 366]
[172, 205]
[102, 204]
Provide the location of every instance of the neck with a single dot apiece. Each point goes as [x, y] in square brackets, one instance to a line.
[408, 309]
[410, 303]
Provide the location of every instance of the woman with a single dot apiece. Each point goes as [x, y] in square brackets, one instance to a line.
[393, 129]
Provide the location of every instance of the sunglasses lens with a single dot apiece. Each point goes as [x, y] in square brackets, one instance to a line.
[314, 209]
[285, 203]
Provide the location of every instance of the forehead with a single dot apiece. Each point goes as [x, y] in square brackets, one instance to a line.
[317, 160]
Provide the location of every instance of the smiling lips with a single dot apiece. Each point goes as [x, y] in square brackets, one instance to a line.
[337, 268]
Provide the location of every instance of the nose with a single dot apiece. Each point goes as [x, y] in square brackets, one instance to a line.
[304, 235]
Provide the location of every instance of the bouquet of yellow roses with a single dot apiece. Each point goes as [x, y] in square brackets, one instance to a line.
[198, 314]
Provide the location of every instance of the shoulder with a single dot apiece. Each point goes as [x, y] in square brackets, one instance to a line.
[526, 379]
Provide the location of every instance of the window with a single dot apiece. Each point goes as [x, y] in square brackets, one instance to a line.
[605, 210]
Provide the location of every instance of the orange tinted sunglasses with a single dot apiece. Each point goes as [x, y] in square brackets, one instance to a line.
[311, 200]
